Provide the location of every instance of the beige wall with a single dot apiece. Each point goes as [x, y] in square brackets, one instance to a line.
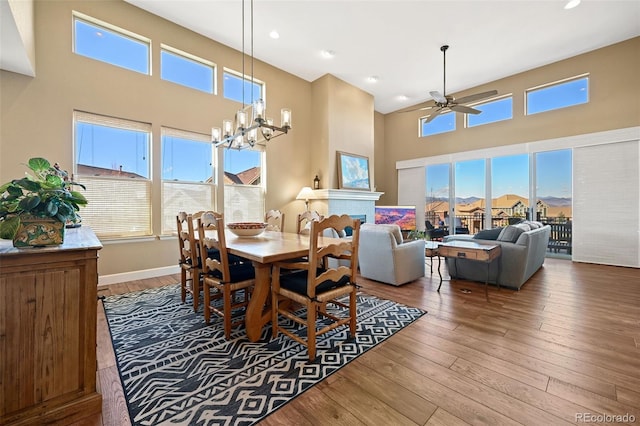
[614, 103]
[343, 121]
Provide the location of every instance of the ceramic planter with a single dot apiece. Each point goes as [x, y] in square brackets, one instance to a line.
[38, 231]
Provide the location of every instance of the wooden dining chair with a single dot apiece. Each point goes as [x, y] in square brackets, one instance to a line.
[316, 286]
[222, 279]
[304, 221]
[188, 259]
[274, 220]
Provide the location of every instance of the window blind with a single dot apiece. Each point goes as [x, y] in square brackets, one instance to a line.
[243, 203]
[606, 201]
[186, 197]
[117, 208]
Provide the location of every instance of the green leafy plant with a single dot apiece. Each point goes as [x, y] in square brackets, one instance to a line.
[46, 193]
[417, 235]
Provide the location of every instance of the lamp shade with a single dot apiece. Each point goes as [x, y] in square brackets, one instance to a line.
[305, 193]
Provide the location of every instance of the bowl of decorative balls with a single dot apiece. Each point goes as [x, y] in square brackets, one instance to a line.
[247, 229]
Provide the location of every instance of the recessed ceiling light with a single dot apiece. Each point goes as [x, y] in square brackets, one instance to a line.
[402, 97]
[274, 34]
[571, 4]
[328, 53]
[373, 79]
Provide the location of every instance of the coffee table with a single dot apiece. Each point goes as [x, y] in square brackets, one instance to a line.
[472, 251]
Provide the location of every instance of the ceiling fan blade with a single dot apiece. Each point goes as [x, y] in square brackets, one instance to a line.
[476, 97]
[464, 109]
[419, 109]
[433, 115]
[438, 97]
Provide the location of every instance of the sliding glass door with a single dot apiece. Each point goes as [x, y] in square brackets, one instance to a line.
[554, 191]
[437, 196]
[509, 189]
[470, 189]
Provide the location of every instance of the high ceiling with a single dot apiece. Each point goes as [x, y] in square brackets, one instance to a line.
[399, 41]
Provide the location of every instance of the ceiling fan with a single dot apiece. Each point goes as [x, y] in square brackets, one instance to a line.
[444, 101]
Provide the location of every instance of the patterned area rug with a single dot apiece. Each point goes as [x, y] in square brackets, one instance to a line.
[178, 371]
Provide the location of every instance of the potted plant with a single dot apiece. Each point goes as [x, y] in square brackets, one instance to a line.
[35, 209]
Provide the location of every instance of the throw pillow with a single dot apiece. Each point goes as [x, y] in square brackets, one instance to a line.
[533, 224]
[525, 227]
[488, 234]
[510, 234]
[395, 230]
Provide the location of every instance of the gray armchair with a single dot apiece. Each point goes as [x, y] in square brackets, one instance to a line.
[385, 257]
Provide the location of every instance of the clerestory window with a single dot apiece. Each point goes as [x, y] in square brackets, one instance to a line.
[492, 111]
[187, 70]
[107, 43]
[234, 89]
[561, 94]
[441, 124]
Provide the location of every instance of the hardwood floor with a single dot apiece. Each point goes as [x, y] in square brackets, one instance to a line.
[564, 349]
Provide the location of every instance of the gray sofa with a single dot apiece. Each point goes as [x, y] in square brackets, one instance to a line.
[523, 253]
[384, 256]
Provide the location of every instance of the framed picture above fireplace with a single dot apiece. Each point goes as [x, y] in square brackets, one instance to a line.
[353, 172]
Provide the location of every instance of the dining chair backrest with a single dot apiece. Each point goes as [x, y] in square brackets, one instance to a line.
[274, 220]
[189, 259]
[222, 279]
[303, 225]
[343, 249]
[212, 240]
[186, 255]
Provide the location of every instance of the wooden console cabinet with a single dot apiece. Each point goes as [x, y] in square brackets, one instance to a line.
[48, 301]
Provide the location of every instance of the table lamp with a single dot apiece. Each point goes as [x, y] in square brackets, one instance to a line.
[304, 194]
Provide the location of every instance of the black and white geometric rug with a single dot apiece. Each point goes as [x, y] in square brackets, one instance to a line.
[176, 370]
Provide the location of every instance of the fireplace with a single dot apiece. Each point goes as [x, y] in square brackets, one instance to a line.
[358, 204]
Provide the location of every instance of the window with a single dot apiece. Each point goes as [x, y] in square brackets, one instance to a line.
[112, 161]
[188, 70]
[243, 189]
[554, 185]
[233, 88]
[497, 110]
[104, 42]
[470, 190]
[188, 182]
[437, 196]
[441, 124]
[557, 95]
[509, 189]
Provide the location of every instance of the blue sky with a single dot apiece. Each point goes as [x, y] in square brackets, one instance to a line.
[510, 176]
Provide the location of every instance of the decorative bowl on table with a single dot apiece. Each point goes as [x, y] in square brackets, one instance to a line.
[247, 229]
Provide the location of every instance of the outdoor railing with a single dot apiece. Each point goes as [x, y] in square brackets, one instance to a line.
[559, 240]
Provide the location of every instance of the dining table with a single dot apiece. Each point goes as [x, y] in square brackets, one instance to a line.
[263, 250]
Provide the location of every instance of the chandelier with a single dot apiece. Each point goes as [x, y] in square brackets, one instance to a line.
[239, 133]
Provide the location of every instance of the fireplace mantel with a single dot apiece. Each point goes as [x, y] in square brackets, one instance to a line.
[345, 194]
[346, 201]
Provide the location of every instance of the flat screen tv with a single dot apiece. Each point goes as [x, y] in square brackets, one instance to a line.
[403, 216]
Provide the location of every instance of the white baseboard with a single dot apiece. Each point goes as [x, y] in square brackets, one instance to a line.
[137, 275]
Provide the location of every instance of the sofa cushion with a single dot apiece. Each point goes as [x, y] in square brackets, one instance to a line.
[510, 233]
[488, 234]
[386, 228]
[533, 224]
